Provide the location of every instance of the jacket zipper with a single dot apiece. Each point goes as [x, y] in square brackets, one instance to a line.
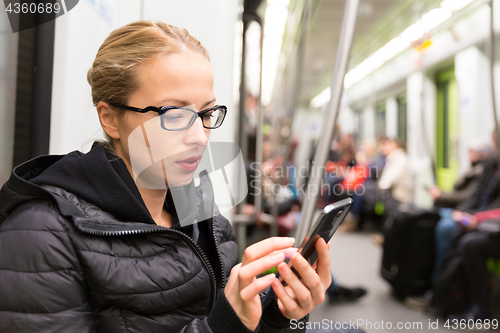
[199, 252]
[218, 253]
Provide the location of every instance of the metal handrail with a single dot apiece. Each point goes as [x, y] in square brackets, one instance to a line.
[241, 219]
[295, 102]
[330, 117]
[490, 48]
[298, 79]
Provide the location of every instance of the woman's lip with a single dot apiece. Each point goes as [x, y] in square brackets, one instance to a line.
[189, 164]
[191, 159]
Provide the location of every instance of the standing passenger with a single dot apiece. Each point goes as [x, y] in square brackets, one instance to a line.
[395, 178]
[86, 248]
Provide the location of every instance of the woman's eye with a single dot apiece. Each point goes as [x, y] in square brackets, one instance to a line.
[172, 118]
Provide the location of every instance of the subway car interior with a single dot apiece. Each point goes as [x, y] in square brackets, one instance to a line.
[391, 103]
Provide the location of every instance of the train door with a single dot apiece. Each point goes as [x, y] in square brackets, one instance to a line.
[446, 129]
[380, 119]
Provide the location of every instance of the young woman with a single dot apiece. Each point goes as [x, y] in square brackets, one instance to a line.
[87, 248]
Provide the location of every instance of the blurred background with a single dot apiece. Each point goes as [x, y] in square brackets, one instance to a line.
[418, 82]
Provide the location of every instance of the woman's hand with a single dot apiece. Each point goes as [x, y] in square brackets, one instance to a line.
[243, 287]
[457, 215]
[472, 223]
[435, 192]
[467, 221]
[301, 296]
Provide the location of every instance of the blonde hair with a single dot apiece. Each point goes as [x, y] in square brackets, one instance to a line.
[113, 76]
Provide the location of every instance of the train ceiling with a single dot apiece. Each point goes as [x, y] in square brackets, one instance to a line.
[378, 22]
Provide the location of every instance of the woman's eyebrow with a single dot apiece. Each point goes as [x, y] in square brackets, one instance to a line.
[184, 103]
[174, 101]
[207, 104]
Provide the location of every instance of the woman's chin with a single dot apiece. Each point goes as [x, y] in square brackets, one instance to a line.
[181, 180]
[151, 182]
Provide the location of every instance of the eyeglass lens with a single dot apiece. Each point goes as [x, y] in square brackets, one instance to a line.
[176, 119]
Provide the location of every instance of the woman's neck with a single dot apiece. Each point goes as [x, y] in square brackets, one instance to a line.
[154, 200]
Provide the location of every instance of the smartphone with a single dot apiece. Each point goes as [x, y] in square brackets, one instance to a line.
[466, 220]
[325, 226]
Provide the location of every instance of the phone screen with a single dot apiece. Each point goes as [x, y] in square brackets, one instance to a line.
[327, 223]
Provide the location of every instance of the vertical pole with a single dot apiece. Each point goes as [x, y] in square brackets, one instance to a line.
[242, 220]
[329, 118]
[298, 80]
[490, 48]
[425, 134]
[242, 142]
[295, 101]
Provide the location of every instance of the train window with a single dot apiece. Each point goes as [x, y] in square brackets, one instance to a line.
[380, 120]
[8, 66]
[358, 126]
[26, 66]
[402, 119]
[361, 126]
[446, 129]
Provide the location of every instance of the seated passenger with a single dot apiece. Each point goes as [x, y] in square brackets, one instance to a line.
[463, 189]
[477, 245]
[483, 204]
[467, 184]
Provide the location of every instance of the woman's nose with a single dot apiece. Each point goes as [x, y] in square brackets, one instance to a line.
[196, 134]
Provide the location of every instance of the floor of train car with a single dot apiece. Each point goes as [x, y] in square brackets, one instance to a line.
[356, 259]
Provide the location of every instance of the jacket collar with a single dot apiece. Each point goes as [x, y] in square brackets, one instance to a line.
[86, 216]
[18, 189]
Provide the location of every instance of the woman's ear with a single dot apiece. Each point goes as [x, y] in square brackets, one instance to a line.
[108, 119]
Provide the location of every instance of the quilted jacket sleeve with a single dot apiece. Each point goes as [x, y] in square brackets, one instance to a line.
[273, 320]
[41, 280]
[223, 318]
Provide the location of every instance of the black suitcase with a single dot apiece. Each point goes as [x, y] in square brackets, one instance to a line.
[408, 256]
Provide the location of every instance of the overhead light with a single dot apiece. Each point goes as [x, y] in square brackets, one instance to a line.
[360, 71]
[435, 17]
[413, 32]
[376, 60]
[252, 62]
[455, 5]
[322, 98]
[366, 67]
[390, 50]
[282, 3]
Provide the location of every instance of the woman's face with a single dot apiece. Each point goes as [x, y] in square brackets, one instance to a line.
[183, 79]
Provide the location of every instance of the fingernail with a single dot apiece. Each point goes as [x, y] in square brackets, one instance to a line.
[270, 276]
[289, 239]
[282, 265]
[279, 256]
[290, 252]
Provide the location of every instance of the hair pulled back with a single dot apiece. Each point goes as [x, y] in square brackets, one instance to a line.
[113, 75]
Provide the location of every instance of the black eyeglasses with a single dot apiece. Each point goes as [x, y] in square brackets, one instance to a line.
[178, 118]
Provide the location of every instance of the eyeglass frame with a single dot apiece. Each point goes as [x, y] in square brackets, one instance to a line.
[164, 109]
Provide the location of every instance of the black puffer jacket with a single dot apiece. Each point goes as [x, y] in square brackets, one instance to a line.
[71, 260]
